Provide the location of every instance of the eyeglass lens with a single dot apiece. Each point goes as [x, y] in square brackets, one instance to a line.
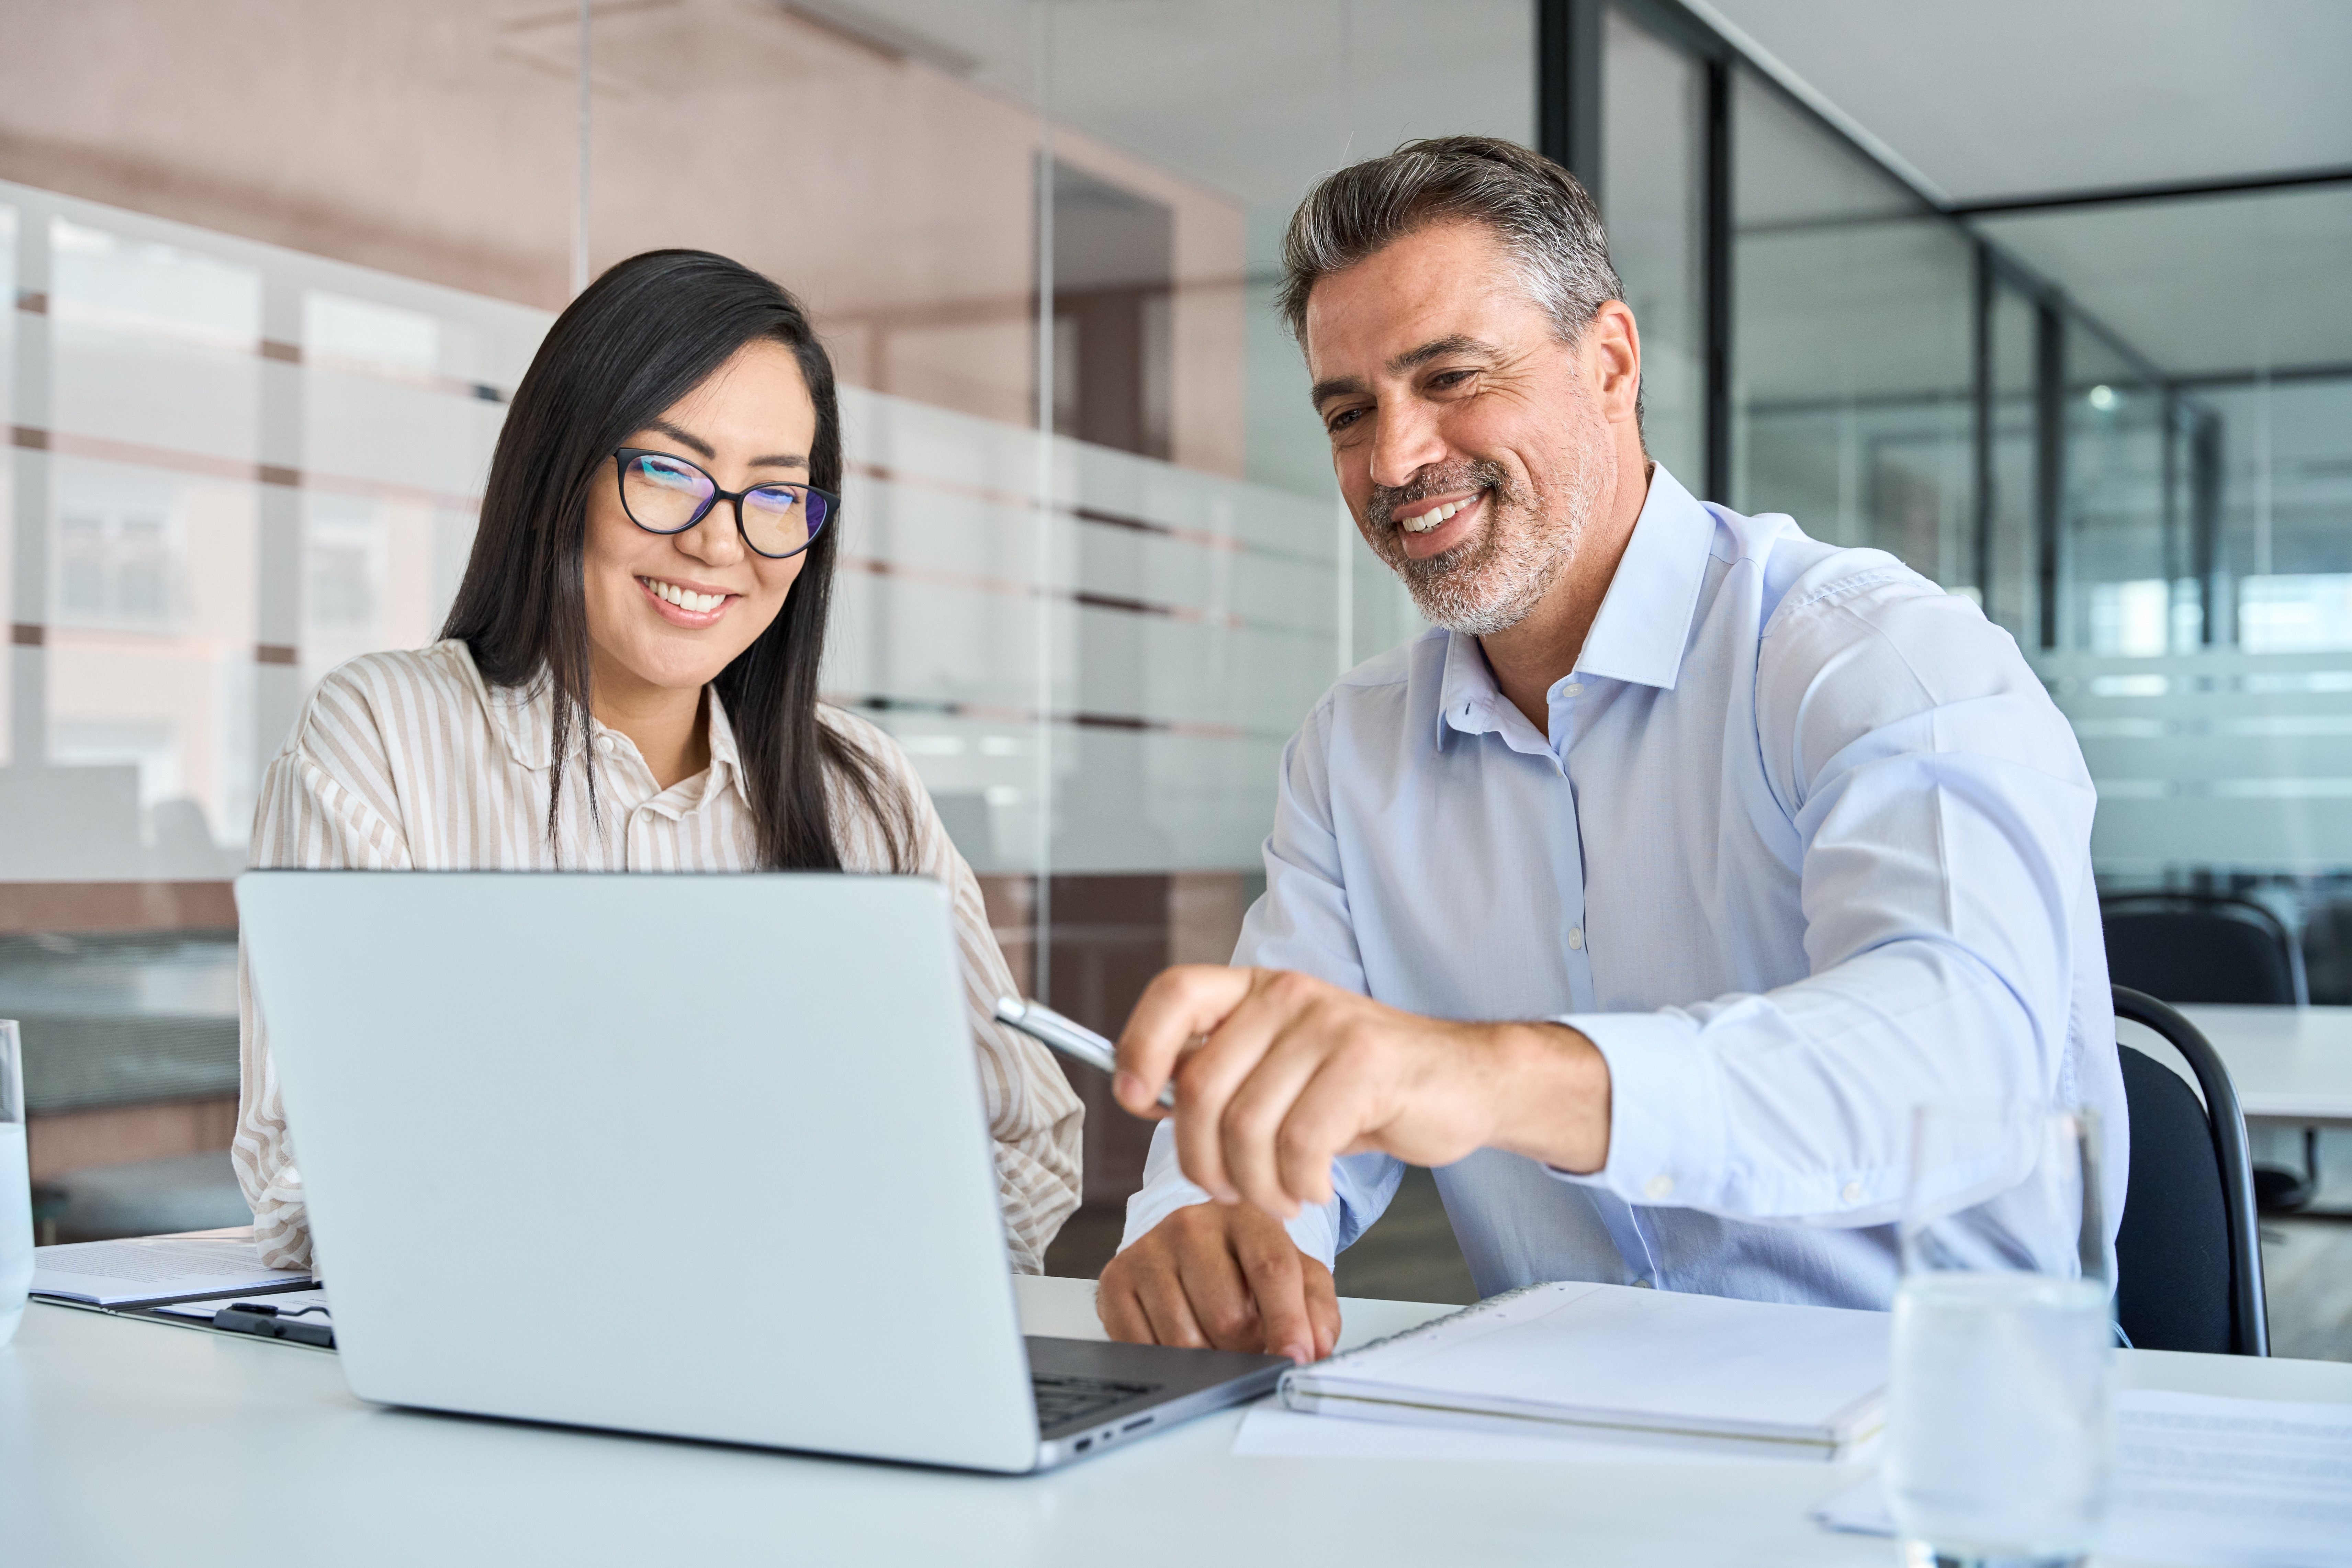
[667, 494]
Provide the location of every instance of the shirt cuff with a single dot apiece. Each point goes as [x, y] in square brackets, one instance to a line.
[1316, 1231]
[1666, 1141]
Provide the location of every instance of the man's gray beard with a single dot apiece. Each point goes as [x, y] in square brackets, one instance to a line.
[1493, 581]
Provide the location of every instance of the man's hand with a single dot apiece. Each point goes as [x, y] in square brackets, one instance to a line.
[1228, 1277]
[1291, 1072]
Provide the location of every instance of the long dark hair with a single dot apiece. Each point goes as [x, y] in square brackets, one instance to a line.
[635, 341]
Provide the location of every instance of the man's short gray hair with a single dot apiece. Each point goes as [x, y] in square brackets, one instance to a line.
[1545, 218]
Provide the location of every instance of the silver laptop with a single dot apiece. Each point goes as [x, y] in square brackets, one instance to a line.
[696, 1156]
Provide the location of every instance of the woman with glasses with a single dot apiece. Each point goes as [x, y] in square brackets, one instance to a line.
[628, 681]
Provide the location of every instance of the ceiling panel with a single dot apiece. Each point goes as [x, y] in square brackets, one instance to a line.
[2214, 285]
[2001, 97]
[1252, 99]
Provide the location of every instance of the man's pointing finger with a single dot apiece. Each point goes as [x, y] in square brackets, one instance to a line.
[1189, 1000]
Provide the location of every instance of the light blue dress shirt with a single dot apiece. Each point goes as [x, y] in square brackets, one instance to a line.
[1806, 844]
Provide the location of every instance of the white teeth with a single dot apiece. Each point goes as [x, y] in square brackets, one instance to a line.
[1432, 518]
[684, 599]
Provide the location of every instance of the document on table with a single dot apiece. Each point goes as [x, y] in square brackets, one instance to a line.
[1619, 1365]
[1270, 1432]
[152, 1269]
[2218, 1483]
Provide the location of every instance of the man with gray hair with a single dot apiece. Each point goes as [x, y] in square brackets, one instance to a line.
[1646, 896]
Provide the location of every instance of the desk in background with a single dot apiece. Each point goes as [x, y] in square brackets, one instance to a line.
[124, 1442]
[2292, 1066]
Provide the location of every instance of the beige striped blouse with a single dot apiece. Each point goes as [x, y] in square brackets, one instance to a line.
[411, 761]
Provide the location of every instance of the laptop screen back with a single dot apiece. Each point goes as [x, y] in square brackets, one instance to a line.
[685, 1154]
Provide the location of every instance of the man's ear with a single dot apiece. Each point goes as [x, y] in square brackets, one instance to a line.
[1613, 356]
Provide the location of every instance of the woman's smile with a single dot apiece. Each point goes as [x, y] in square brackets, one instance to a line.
[683, 602]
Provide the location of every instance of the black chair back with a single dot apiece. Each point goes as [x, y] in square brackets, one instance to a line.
[2202, 947]
[2327, 950]
[2189, 1265]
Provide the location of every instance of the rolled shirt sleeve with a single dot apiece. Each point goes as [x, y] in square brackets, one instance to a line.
[1945, 817]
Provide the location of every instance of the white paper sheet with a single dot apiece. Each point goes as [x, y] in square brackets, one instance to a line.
[1270, 1432]
[2205, 1481]
[156, 1269]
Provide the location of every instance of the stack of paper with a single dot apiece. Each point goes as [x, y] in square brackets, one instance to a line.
[1649, 1367]
[2220, 1483]
[152, 1269]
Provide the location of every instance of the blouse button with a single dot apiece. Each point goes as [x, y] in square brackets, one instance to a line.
[605, 744]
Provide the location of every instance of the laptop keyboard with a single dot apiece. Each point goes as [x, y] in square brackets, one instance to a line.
[1062, 1400]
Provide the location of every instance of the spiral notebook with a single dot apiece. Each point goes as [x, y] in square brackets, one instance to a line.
[1628, 1364]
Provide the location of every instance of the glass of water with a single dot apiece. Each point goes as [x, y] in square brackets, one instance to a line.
[1998, 1440]
[15, 1187]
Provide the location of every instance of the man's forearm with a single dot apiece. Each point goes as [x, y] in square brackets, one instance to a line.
[1551, 1097]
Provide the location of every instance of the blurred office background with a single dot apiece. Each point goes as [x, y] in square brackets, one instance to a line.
[2050, 300]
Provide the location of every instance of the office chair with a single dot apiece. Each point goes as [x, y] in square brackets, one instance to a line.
[2188, 1261]
[2211, 947]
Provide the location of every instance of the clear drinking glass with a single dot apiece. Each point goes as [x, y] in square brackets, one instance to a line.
[15, 1187]
[1998, 1440]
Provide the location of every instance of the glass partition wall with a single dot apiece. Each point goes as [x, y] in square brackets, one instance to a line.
[2204, 393]
[1852, 349]
[1095, 569]
[2120, 421]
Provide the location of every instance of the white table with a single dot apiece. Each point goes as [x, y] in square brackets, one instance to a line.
[124, 1442]
[2291, 1065]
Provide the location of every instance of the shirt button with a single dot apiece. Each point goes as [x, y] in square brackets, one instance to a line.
[1574, 689]
[1852, 1192]
[1658, 1189]
[605, 744]
[1576, 939]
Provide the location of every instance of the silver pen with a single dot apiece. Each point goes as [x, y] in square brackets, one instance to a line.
[1072, 1038]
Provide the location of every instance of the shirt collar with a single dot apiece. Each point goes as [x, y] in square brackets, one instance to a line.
[726, 761]
[1640, 629]
[1645, 618]
[524, 717]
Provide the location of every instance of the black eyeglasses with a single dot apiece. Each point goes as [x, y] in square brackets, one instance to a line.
[663, 494]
